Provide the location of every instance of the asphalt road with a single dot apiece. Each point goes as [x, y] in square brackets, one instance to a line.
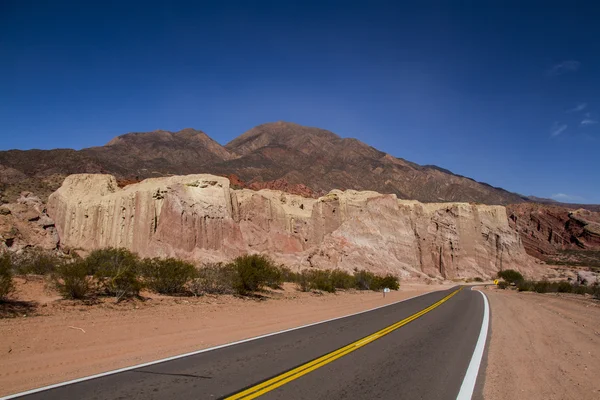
[424, 359]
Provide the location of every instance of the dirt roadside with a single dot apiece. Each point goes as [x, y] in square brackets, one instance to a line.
[66, 341]
[542, 346]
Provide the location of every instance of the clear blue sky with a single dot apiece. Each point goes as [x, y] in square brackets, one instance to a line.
[505, 94]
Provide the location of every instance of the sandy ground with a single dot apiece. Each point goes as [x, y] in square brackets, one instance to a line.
[543, 346]
[63, 340]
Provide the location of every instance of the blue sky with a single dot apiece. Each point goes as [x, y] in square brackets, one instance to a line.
[505, 93]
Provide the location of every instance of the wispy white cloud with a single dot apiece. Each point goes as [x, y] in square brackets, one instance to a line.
[588, 121]
[566, 197]
[557, 129]
[578, 107]
[563, 67]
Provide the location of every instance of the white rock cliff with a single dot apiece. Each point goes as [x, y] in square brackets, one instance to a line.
[199, 217]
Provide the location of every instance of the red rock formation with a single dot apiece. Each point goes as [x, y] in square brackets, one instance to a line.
[199, 217]
[547, 229]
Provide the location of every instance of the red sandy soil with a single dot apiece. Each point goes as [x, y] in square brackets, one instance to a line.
[62, 340]
[543, 346]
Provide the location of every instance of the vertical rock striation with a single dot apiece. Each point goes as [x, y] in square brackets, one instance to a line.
[200, 217]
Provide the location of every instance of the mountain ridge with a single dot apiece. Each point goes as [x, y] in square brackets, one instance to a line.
[277, 151]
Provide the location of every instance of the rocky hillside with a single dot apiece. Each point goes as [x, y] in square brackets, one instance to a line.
[550, 230]
[274, 155]
[200, 217]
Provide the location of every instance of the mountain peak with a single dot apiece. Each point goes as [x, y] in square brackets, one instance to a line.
[158, 135]
[281, 134]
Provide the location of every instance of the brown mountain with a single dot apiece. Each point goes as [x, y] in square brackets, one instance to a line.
[288, 153]
[322, 160]
[132, 156]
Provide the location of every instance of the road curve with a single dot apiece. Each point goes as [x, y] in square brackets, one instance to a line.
[417, 349]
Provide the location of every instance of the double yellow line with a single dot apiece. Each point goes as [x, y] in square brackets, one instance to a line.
[280, 380]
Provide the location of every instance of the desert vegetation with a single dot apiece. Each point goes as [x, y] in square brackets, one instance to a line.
[6, 276]
[514, 278]
[121, 274]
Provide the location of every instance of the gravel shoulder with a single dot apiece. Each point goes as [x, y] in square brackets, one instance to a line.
[66, 340]
[542, 346]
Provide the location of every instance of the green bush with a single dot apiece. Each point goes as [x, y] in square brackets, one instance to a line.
[71, 280]
[596, 291]
[510, 275]
[342, 280]
[254, 272]
[213, 279]
[287, 275]
[315, 279]
[303, 281]
[542, 286]
[523, 286]
[564, 287]
[580, 289]
[388, 281]
[364, 279]
[6, 278]
[167, 276]
[35, 262]
[502, 285]
[117, 272]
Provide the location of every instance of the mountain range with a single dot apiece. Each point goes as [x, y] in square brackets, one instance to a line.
[282, 152]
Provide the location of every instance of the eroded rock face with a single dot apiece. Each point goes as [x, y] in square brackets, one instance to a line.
[200, 217]
[26, 224]
[548, 229]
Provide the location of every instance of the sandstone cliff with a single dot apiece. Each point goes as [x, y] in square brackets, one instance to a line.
[200, 217]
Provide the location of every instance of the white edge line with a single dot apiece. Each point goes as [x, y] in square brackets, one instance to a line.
[468, 386]
[116, 371]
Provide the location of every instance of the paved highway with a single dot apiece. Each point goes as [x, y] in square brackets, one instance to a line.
[417, 349]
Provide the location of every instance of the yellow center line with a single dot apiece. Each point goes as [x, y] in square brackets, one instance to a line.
[295, 373]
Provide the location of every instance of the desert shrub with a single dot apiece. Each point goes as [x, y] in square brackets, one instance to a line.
[342, 280]
[388, 281]
[213, 279]
[287, 275]
[35, 263]
[596, 291]
[254, 272]
[318, 280]
[541, 286]
[477, 279]
[364, 279]
[510, 275]
[303, 281]
[523, 286]
[117, 271]
[502, 285]
[564, 287]
[71, 280]
[580, 289]
[167, 276]
[6, 277]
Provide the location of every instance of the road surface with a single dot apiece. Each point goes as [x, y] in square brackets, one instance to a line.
[416, 349]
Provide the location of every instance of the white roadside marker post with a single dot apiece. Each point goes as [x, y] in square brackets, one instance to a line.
[385, 290]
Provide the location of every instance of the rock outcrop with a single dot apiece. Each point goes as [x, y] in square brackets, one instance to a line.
[548, 229]
[200, 217]
[25, 224]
